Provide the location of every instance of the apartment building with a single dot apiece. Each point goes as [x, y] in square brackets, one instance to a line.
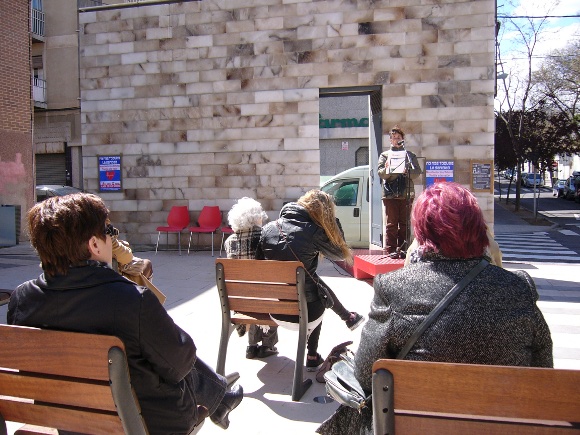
[55, 75]
[16, 152]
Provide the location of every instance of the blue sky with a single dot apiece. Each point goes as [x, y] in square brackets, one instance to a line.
[558, 31]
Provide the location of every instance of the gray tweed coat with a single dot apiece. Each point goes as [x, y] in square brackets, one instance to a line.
[494, 320]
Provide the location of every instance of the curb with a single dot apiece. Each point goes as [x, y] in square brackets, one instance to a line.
[553, 224]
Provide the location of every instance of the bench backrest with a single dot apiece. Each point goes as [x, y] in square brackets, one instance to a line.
[469, 398]
[261, 286]
[66, 380]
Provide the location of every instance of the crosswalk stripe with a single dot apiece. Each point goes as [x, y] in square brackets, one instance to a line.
[545, 258]
[536, 246]
[522, 252]
[522, 244]
[569, 233]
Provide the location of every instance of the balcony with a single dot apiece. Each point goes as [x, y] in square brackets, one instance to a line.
[39, 92]
[88, 3]
[37, 24]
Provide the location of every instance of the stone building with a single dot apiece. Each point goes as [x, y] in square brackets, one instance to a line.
[203, 102]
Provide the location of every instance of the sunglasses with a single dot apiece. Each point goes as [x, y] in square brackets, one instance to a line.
[110, 230]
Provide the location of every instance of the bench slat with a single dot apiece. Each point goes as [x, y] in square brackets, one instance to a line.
[484, 390]
[58, 391]
[416, 424]
[266, 270]
[263, 306]
[262, 290]
[62, 418]
[44, 352]
[252, 319]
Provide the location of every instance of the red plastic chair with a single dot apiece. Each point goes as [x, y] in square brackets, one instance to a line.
[224, 231]
[177, 221]
[209, 221]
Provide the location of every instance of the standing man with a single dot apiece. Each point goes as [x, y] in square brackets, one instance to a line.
[397, 168]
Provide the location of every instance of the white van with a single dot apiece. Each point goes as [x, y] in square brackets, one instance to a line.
[350, 190]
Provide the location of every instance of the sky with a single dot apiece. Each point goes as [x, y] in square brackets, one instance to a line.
[557, 34]
[558, 31]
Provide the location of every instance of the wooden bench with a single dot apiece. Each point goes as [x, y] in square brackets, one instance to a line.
[66, 380]
[250, 290]
[415, 397]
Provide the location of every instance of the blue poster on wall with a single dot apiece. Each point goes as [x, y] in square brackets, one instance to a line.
[109, 173]
[437, 171]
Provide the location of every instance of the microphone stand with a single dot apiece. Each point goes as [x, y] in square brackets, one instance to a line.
[409, 166]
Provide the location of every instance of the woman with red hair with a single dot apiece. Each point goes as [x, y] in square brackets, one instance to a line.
[493, 320]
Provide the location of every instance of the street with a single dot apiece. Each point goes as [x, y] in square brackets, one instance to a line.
[563, 218]
[561, 211]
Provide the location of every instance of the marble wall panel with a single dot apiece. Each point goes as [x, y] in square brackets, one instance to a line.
[237, 88]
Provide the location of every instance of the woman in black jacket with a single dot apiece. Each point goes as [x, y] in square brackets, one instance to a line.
[305, 230]
[78, 291]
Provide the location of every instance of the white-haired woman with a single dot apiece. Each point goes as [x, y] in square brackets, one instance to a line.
[246, 218]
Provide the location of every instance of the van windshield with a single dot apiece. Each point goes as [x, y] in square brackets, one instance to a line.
[344, 192]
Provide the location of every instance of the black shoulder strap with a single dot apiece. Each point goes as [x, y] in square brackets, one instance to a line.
[443, 303]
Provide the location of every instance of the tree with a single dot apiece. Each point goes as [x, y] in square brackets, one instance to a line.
[514, 99]
[557, 82]
[504, 157]
[542, 134]
[557, 87]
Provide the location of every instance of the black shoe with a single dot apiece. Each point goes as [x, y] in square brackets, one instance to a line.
[354, 321]
[241, 330]
[229, 402]
[313, 364]
[251, 351]
[265, 351]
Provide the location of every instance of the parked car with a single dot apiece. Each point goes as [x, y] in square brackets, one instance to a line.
[44, 191]
[571, 186]
[558, 188]
[531, 179]
[350, 190]
[508, 173]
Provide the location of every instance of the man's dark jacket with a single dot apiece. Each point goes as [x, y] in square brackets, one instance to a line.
[97, 300]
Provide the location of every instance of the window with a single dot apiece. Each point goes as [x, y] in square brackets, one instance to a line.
[361, 156]
[344, 192]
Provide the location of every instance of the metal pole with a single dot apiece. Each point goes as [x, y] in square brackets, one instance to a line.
[535, 189]
[499, 184]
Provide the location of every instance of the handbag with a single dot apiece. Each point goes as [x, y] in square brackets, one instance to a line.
[143, 281]
[395, 188]
[342, 385]
[332, 358]
[324, 293]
